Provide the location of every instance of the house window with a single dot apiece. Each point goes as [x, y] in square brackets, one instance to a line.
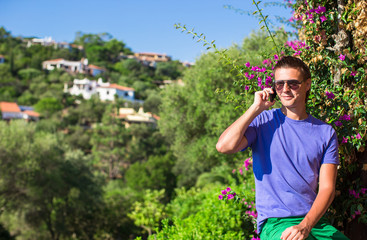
[107, 92]
[126, 94]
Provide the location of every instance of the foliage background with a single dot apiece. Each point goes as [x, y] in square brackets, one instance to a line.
[79, 174]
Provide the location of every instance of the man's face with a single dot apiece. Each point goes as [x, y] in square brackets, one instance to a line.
[292, 95]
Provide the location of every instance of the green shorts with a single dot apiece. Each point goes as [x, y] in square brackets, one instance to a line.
[274, 227]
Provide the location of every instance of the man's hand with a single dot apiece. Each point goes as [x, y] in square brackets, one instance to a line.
[262, 99]
[297, 232]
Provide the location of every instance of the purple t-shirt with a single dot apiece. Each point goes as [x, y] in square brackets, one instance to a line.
[287, 156]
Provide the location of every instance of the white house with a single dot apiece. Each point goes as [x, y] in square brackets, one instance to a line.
[47, 41]
[84, 87]
[69, 66]
[105, 91]
[109, 92]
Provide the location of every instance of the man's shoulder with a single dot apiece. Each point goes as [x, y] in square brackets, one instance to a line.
[322, 126]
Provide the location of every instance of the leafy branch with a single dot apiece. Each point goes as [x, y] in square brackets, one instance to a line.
[263, 20]
[211, 45]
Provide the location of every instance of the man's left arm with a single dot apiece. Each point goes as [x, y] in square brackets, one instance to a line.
[325, 196]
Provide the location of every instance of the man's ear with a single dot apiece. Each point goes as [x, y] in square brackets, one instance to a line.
[308, 84]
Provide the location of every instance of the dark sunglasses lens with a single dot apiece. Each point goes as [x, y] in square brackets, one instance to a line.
[293, 84]
[279, 85]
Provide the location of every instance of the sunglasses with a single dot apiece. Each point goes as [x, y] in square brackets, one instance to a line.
[292, 84]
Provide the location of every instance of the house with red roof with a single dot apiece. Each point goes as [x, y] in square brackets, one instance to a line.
[149, 58]
[11, 110]
[69, 66]
[73, 66]
[129, 116]
[105, 90]
[109, 91]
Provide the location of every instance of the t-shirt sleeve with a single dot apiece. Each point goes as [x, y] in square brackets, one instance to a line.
[331, 153]
[251, 133]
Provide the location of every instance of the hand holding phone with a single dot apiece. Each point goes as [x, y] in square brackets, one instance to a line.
[273, 95]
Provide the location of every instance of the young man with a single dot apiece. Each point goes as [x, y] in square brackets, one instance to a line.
[295, 158]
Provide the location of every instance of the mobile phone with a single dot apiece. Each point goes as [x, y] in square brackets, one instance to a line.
[272, 96]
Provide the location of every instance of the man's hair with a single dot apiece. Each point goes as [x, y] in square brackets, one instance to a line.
[296, 63]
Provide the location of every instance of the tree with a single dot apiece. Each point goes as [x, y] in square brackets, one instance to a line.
[109, 145]
[54, 188]
[194, 115]
[48, 106]
[150, 212]
[169, 70]
[156, 173]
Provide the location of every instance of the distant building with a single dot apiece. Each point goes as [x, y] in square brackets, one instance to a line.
[47, 41]
[109, 92]
[106, 91]
[150, 59]
[69, 66]
[164, 83]
[187, 64]
[130, 116]
[11, 110]
[73, 66]
[63, 45]
[2, 59]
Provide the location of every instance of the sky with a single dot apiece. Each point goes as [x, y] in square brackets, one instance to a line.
[143, 25]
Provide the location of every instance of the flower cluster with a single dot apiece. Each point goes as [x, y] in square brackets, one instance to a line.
[297, 46]
[339, 123]
[227, 194]
[356, 194]
[246, 164]
[330, 95]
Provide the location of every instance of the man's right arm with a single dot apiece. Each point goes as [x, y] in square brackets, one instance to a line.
[233, 138]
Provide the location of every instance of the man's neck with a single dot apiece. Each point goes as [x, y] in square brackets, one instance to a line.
[295, 113]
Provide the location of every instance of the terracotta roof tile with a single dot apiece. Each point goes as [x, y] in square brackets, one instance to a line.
[95, 67]
[32, 113]
[55, 60]
[9, 107]
[113, 85]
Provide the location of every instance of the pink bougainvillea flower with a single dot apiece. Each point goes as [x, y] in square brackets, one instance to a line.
[345, 140]
[363, 190]
[224, 192]
[338, 124]
[220, 197]
[276, 57]
[342, 57]
[353, 73]
[230, 196]
[323, 18]
[234, 170]
[247, 87]
[358, 136]
[251, 77]
[228, 189]
[330, 95]
[241, 171]
[247, 75]
[320, 9]
[248, 64]
[345, 117]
